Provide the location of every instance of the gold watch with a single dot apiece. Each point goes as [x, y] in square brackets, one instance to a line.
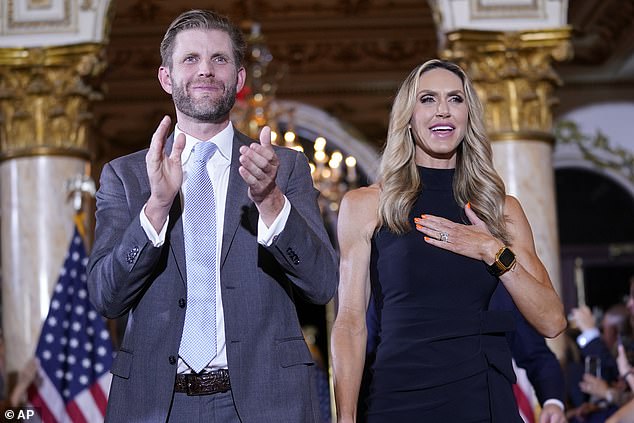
[504, 261]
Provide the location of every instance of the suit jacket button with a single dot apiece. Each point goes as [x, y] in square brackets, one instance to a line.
[132, 255]
[182, 303]
[172, 360]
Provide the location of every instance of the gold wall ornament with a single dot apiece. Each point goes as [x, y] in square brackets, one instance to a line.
[596, 149]
[40, 15]
[512, 75]
[45, 99]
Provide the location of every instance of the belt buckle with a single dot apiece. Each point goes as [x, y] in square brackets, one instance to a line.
[193, 385]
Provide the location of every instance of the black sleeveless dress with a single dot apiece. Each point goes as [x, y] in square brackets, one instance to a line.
[442, 357]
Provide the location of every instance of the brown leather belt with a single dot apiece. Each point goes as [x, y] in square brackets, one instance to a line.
[203, 384]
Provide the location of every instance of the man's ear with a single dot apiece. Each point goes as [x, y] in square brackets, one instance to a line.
[164, 79]
[241, 78]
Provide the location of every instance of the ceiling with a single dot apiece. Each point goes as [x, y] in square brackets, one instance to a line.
[346, 57]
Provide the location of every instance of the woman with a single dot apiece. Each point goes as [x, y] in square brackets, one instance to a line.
[422, 240]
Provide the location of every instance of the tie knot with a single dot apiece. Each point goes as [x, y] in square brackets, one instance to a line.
[203, 151]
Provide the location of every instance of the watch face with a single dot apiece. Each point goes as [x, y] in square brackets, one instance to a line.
[507, 257]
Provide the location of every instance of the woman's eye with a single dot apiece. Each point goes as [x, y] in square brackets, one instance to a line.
[456, 99]
[426, 99]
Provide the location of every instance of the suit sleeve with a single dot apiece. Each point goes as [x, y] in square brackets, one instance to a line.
[609, 368]
[303, 248]
[530, 352]
[122, 258]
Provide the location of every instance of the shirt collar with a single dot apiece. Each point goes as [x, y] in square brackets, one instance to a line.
[223, 139]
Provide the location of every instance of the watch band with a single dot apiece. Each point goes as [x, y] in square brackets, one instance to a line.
[504, 261]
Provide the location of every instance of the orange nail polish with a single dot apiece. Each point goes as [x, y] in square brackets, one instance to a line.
[468, 204]
[419, 227]
[426, 238]
[424, 216]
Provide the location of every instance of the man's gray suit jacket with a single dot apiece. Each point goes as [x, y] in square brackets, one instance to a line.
[270, 366]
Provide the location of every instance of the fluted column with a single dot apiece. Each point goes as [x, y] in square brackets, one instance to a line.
[513, 76]
[45, 98]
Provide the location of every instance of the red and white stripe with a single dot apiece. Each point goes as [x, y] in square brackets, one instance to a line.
[87, 407]
[525, 396]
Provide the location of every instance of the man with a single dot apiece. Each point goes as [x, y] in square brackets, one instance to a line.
[260, 243]
[531, 353]
[600, 345]
[595, 342]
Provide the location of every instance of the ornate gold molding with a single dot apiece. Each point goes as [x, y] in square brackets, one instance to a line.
[512, 74]
[51, 15]
[45, 98]
[597, 149]
[523, 136]
[505, 10]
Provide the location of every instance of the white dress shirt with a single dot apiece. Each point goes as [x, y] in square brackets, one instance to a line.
[218, 168]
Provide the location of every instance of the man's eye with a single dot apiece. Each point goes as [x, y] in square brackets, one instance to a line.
[221, 60]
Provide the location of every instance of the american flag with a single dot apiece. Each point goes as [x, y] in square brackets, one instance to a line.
[74, 350]
[525, 396]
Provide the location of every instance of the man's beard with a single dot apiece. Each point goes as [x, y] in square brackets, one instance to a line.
[204, 109]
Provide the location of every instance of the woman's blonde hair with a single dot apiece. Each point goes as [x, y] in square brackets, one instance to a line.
[475, 182]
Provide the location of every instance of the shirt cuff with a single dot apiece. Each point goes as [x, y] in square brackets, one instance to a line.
[266, 235]
[556, 402]
[157, 239]
[587, 336]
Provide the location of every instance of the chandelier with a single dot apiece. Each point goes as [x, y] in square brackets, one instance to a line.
[332, 171]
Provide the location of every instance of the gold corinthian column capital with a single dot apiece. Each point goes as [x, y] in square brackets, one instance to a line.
[46, 95]
[512, 73]
[45, 98]
[513, 76]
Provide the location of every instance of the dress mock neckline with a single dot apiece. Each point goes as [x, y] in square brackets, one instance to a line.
[433, 178]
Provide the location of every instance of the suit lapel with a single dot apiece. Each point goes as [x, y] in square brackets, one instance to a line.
[176, 239]
[237, 197]
[237, 200]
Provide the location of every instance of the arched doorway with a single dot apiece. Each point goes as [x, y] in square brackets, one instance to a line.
[595, 205]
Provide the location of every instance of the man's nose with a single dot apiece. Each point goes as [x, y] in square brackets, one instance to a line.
[206, 68]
